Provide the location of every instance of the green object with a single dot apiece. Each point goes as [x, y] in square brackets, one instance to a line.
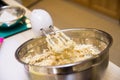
[5, 25]
[19, 27]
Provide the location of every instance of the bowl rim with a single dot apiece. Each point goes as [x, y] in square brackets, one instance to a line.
[93, 61]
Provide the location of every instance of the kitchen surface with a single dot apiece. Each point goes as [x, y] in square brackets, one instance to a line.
[65, 14]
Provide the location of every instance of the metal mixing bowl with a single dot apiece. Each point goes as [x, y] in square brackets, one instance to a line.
[90, 69]
[16, 11]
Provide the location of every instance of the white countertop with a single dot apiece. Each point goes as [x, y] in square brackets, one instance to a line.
[11, 69]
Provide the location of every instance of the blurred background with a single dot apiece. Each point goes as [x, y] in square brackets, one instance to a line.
[108, 7]
[99, 14]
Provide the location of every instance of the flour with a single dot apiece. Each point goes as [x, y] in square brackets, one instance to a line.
[6, 17]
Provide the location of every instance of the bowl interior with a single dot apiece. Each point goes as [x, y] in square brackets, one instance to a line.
[97, 38]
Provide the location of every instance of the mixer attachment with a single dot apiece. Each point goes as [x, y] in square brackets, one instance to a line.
[58, 41]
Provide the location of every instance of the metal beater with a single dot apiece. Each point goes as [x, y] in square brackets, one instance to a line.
[58, 41]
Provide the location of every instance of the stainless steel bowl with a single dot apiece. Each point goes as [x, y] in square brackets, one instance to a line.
[16, 11]
[90, 69]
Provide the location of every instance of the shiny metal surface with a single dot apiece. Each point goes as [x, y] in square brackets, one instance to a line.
[14, 10]
[90, 69]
